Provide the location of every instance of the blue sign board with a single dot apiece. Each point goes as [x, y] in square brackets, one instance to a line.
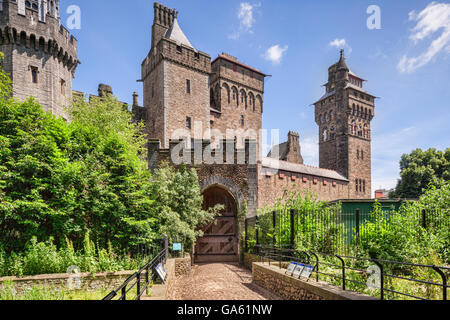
[176, 247]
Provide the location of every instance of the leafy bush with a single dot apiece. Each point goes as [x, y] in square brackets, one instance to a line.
[46, 258]
[178, 204]
[402, 236]
[311, 233]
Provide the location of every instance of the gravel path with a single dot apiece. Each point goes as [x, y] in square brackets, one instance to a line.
[219, 281]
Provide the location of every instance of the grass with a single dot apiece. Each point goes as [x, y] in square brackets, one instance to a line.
[8, 292]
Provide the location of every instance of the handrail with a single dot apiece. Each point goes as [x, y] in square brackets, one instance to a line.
[277, 254]
[160, 257]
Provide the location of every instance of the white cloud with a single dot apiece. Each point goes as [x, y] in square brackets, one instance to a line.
[310, 150]
[340, 44]
[246, 17]
[275, 53]
[435, 17]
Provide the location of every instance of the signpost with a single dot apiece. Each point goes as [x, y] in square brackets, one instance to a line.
[299, 270]
[161, 272]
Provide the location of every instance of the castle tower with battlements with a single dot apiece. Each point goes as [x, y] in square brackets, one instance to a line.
[40, 54]
[176, 82]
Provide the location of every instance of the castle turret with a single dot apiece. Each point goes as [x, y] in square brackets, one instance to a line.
[343, 115]
[176, 81]
[40, 54]
[162, 21]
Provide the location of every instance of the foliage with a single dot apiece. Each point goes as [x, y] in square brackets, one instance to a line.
[8, 292]
[46, 258]
[71, 191]
[311, 233]
[59, 179]
[178, 204]
[402, 236]
[419, 169]
[5, 81]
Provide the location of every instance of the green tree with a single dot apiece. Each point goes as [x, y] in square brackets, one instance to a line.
[61, 179]
[178, 204]
[419, 169]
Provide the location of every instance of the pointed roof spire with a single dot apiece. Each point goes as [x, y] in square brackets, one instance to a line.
[342, 64]
[176, 34]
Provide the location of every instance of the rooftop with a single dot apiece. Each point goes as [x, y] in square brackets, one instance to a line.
[275, 164]
[234, 60]
[176, 34]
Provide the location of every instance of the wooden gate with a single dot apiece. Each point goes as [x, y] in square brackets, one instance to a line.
[220, 241]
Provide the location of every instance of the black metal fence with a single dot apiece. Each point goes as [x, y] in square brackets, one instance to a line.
[387, 280]
[331, 230]
[143, 278]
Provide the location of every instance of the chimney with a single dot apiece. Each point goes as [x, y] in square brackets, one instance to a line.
[135, 99]
[294, 154]
[104, 89]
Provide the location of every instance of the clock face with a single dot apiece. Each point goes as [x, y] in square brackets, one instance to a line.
[332, 128]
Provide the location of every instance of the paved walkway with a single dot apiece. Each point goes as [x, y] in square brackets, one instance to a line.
[219, 281]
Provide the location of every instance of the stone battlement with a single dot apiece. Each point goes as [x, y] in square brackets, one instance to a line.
[37, 31]
[203, 152]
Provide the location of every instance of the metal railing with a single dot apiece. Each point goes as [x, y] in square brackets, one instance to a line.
[324, 264]
[146, 273]
[331, 230]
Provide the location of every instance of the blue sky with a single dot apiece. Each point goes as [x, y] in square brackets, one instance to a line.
[406, 62]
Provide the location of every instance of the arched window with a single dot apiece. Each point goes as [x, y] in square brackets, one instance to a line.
[259, 103]
[251, 101]
[331, 115]
[320, 119]
[242, 120]
[227, 91]
[235, 96]
[243, 98]
[356, 184]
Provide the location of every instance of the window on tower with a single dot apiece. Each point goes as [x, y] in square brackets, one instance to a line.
[188, 123]
[188, 86]
[63, 87]
[34, 74]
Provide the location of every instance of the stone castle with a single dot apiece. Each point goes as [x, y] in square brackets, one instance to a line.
[188, 97]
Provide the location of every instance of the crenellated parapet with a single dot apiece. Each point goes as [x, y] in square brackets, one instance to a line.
[203, 152]
[38, 31]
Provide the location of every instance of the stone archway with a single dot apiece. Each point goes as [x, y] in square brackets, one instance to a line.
[220, 242]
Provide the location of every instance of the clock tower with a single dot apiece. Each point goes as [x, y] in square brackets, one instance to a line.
[344, 114]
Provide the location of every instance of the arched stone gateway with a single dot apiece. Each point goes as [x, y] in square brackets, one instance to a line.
[220, 242]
